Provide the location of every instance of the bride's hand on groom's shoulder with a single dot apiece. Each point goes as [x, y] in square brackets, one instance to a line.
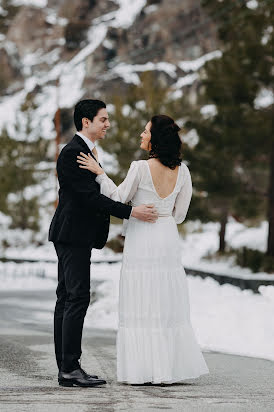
[87, 162]
[147, 213]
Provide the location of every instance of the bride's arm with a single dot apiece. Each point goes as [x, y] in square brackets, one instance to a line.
[126, 190]
[122, 193]
[183, 198]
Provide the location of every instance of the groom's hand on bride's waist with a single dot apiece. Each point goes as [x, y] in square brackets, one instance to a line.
[147, 213]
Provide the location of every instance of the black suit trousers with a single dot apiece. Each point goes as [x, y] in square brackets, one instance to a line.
[73, 298]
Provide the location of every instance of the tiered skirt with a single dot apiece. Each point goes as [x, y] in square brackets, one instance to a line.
[155, 339]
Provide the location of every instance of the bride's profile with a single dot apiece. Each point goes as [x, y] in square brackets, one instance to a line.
[155, 340]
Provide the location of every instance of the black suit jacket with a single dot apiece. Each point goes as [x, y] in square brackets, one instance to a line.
[82, 216]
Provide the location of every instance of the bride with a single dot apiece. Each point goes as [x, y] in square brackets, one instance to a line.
[155, 340]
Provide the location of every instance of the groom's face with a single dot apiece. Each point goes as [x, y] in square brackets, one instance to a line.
[98, 127]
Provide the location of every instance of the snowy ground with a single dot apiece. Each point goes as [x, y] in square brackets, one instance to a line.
[224, 317]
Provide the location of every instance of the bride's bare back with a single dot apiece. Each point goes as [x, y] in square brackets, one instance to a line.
[164, 179]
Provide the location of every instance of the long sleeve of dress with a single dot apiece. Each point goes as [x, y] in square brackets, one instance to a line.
[126, 190]
[183, 198]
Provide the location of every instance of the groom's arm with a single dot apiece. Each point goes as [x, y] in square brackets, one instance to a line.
[82, 183]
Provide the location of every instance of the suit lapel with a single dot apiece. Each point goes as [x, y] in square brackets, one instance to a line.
[85, 147]
[81, 142]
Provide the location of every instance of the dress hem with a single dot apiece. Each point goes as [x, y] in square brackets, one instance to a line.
[162, 380]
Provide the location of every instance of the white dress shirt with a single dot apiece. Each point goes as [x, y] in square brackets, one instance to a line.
[90, 144]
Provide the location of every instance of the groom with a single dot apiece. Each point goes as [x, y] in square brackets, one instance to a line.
[80, 223]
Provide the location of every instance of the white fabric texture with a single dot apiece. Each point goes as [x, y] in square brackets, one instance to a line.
[155, 339]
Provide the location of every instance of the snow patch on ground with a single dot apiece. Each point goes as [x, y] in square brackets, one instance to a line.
[224, 318]
[202, 240]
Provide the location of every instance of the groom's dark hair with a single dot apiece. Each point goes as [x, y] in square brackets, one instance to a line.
[86, 108]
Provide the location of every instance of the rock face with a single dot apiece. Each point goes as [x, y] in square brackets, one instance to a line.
[168, 31]
[10, 72]
[39, 41]
[164, 31]
[30, 31]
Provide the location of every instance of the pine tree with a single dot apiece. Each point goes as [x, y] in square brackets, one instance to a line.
[238, 139]
[132, 111]
[18, 171]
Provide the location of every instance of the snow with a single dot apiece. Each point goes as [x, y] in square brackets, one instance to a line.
[140, 105]
[71, 76]
[151, 9]
[10, 47]
[191, 138]
[126, 72]
[95, 35]
[8, 108]
[110, 163]
[224, 318]
[174, 95]
[127, 12]
[107, 44]
[110, 108]
[52, 18]
[252, 4]
[267, 35]
[35, 3]
[3, 12]
[27, 276]
[194, 65]
[70, 89]
[253, 237]
[22, 246]
[31, 59]
[129, 71]
[72, 73]
[229, 320]
[202, 241]
[186, 80]
[264, 99]
[208, 110]
[68, 93]
[126, 110]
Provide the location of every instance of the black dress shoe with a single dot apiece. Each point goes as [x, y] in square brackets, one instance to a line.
[79, 378]
[85, 373]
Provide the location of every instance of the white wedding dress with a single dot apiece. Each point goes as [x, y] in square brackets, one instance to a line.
[155, 339]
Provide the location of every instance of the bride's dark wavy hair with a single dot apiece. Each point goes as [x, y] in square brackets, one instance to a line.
[165, 142]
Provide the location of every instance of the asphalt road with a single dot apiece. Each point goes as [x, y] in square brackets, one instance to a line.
[28, 372]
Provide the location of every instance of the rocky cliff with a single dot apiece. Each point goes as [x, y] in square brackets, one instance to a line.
[95, 48]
